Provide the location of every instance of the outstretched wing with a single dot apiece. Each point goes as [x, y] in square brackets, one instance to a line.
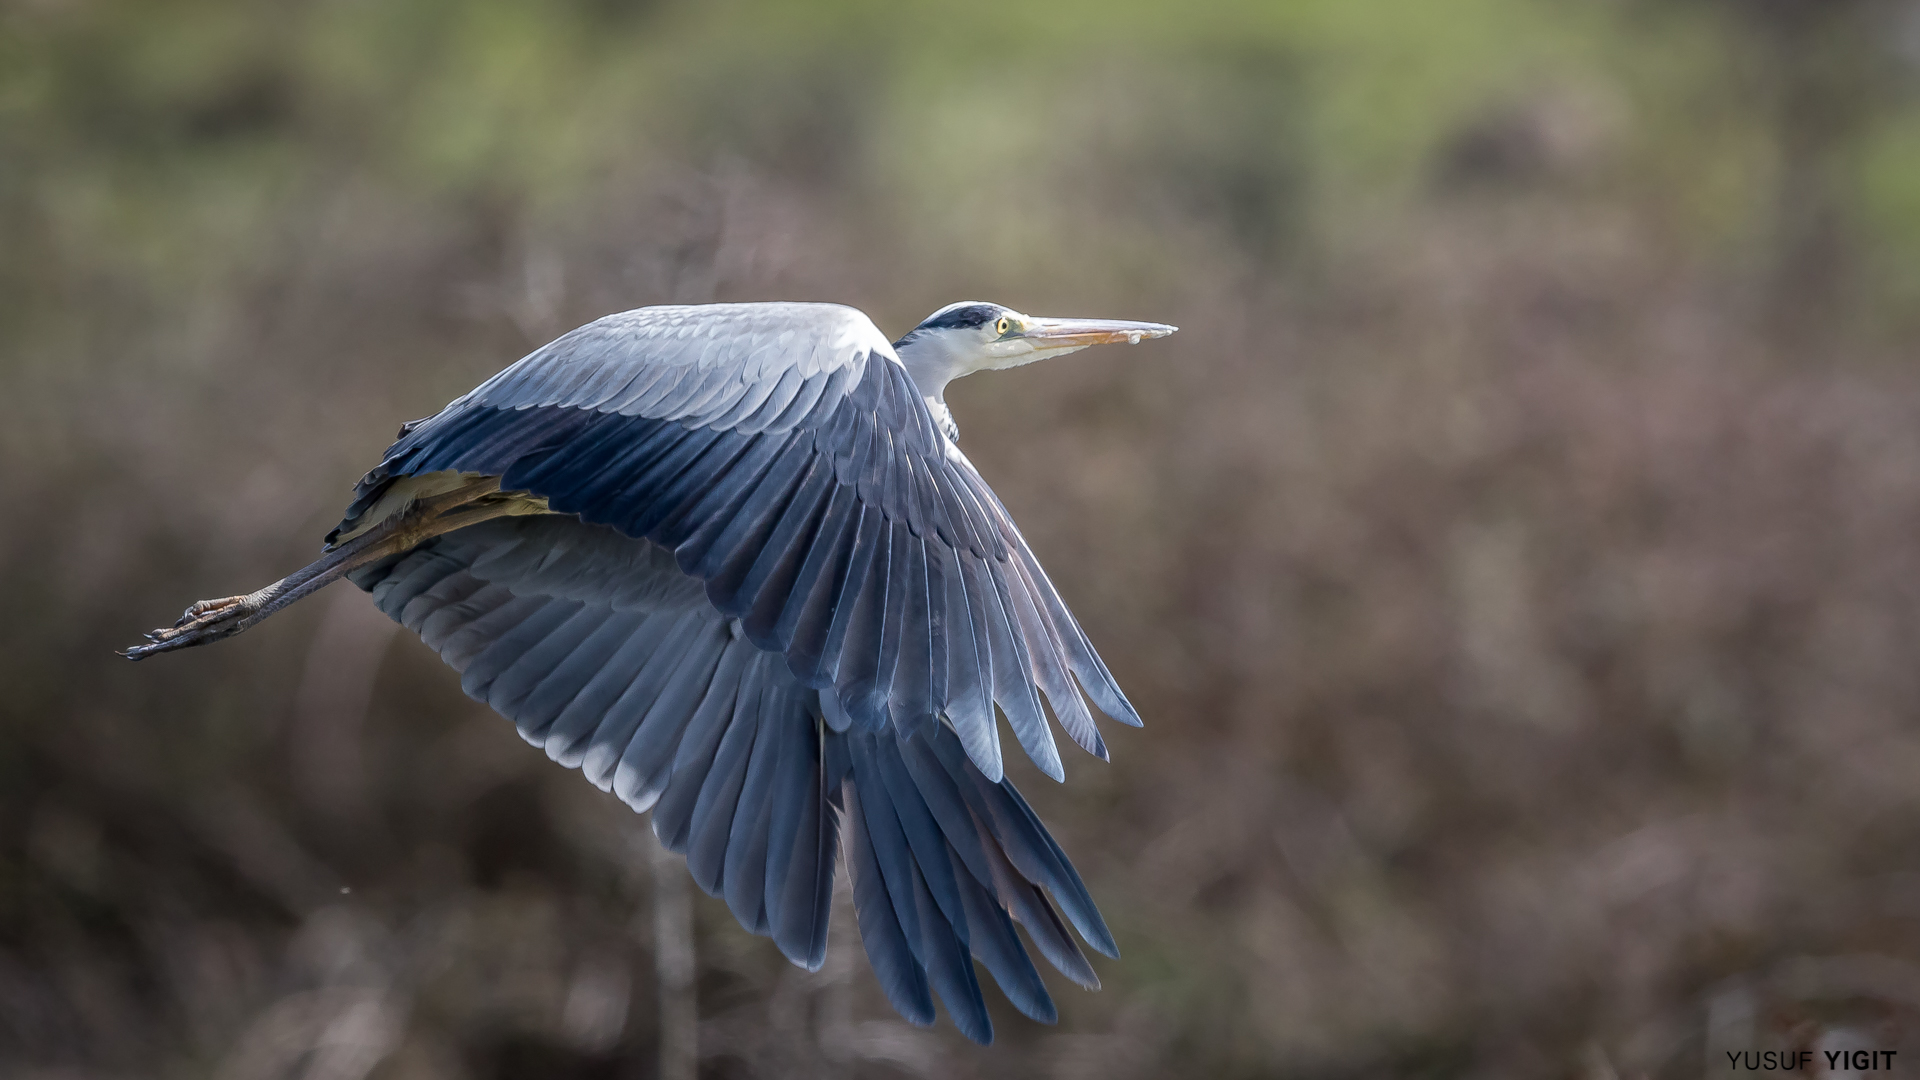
[606, 655]
[784, 456]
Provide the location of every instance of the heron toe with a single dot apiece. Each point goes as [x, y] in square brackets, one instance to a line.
[211, 611]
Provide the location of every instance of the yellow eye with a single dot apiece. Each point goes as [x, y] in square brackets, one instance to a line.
[1005, 324]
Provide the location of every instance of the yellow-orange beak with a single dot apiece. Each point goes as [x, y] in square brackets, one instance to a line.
[1080, 333]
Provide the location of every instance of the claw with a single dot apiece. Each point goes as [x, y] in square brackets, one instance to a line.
[206, 620]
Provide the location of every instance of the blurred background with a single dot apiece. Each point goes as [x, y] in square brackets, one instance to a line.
[1516, 556]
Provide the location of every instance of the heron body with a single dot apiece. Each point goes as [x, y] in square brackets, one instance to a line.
[730, 562]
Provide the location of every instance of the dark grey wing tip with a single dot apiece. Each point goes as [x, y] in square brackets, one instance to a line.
[1129, 716]
[1102, 941]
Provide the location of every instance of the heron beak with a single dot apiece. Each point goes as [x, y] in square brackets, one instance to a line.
[1052, 334]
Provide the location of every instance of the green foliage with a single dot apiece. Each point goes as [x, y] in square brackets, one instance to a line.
[938, 114]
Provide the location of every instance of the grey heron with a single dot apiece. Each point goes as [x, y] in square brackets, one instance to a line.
[729, 561]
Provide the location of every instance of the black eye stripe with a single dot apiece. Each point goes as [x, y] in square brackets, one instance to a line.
[970, 315]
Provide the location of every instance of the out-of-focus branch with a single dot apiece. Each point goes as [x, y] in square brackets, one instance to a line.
[673, 965]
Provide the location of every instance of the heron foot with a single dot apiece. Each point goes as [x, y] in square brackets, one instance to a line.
[204, 621]
[202, 609]
[206, 615]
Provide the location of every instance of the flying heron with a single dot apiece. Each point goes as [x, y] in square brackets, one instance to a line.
[729, 561]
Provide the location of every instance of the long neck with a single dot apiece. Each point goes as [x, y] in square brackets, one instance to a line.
[933, 363]
[943, 416]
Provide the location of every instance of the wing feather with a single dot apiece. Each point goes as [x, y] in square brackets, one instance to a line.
[1013, 684]
[868, 532]
[673, 814]
[745, 866]
[883, 931]
[596, 705]
[438, 627]
[719, 796]
[474, 638]
[688, 645]
[969, 695]
[601, 650]
[800, 874]
[541, 657]
[411, 611]
[865, 610]
[565, 681]
[911, 692]
[738, 529]
[416, 572]
[991, 938]
[1049, 671]
[768, 579]
[633, 770]
[804, 617]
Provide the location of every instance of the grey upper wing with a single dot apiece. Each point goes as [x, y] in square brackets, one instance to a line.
[604, 654]
[785, 457]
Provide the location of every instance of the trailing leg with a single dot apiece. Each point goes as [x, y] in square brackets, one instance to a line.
[212, 620]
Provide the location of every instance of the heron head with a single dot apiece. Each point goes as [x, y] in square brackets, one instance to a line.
[971, 336]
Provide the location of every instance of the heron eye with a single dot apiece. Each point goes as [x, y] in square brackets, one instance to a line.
[1005, 324]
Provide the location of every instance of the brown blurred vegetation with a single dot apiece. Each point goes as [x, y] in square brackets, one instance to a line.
[1516, 556]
